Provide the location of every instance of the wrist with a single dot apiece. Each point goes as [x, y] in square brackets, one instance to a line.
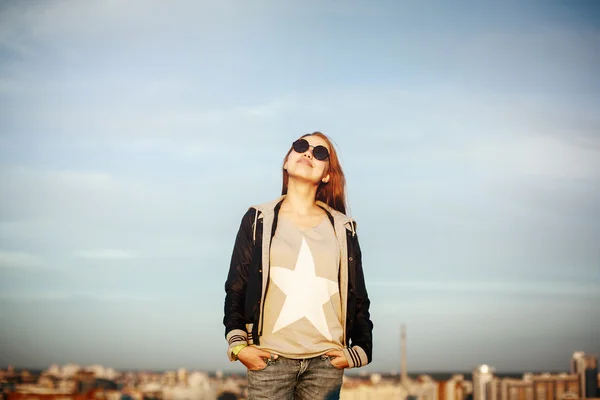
[236, 350]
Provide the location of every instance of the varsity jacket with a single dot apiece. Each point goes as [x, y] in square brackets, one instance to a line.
[248, 281]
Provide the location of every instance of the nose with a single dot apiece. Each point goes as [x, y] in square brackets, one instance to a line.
[309, 153]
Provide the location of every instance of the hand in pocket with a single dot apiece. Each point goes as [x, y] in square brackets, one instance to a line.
[253, 358]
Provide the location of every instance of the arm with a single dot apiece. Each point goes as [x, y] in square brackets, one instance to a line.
[235, 285]
[361, 336]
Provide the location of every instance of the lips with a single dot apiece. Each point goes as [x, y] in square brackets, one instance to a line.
[305, 161]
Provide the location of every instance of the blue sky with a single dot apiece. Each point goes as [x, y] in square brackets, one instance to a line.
[134, 135]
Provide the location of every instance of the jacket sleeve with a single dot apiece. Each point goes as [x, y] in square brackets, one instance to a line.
[361, 337]
[236, 283]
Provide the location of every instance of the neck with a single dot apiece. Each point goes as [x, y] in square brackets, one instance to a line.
[301, 197]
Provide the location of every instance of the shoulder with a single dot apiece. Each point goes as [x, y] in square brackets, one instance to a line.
[348, 222]
[248, 220]
[249, 214]
[268, 207]
[340, 218]
[257, 211]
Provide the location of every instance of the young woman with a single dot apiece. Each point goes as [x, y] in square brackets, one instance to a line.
[296, 305]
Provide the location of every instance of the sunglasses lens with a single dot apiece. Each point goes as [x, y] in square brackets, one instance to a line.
[300, 145]
[320, 153]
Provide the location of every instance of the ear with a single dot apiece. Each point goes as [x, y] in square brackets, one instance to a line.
[325, 179]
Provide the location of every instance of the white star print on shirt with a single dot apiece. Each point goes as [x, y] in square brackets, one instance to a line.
[305, 293]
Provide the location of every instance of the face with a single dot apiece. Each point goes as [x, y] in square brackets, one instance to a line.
[305, 166]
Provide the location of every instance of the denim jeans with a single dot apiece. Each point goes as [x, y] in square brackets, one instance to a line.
[291, 379]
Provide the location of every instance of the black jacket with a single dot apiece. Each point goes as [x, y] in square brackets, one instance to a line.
[247, 282]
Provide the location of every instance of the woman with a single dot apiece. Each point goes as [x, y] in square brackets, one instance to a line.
[296, 305]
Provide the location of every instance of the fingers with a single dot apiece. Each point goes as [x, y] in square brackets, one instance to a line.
[338, 360]
[252, 353]
[266, 354]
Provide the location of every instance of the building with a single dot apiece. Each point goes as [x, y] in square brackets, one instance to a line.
[403, 363]
[551, 387]
[482, 375]
[586, 368]
[517, 389]
[591, 377]
[494, 389]
[182, 376]
[452, 389]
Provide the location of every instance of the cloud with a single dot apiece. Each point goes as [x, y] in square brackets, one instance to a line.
[67, 21]
[504, 136]
[189, 111]
[75, 297]
[495, 287]
[537, 154]
[106, 254]
[108, 217]
[11, 259]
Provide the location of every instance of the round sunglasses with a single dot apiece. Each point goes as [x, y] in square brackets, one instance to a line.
[319, 152]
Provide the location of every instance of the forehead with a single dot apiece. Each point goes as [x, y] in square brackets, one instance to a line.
[316, 141]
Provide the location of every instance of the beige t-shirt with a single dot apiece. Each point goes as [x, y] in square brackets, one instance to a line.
[302, 314]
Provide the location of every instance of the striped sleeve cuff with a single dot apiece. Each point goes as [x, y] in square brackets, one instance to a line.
[235, 338]
[356, 356]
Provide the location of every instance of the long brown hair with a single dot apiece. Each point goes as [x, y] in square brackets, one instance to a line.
[332, 193]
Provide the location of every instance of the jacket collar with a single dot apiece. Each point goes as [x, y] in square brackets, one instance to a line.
[267, 209]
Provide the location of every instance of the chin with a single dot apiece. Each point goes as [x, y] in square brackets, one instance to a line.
[305, 178]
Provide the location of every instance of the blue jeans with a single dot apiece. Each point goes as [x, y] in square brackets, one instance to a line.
[291, 379]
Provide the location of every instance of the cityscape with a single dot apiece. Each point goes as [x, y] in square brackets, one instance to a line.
[97, 382]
